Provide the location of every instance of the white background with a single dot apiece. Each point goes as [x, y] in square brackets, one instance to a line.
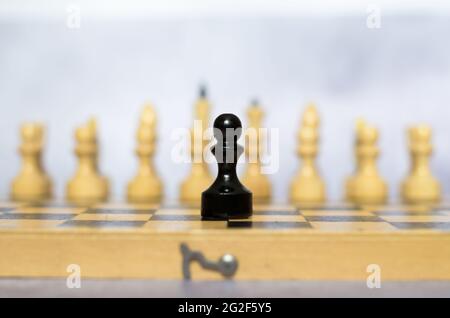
[284, 53]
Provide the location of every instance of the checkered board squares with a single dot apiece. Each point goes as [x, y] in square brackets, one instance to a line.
[114, 216]
[110, 217]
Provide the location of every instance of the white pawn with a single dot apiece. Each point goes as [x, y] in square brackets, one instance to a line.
[366, 186]
[307, 187]
[32, 183]
[146, 185]
[88, 185]
[253, 178]
[420, 186]
[199, 178]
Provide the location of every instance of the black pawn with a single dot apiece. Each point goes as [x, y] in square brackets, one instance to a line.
[227, 198]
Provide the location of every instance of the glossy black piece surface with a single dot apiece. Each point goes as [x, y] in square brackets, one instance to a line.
[226, 198]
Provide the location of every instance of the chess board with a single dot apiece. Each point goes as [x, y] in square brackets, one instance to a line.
[118, 240]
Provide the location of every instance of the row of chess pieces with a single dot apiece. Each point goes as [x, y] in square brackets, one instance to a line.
[88, 185]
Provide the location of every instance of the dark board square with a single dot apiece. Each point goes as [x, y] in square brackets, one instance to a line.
[270, 212]
[36, 216]
[239, 224]
[179, 206]
[422, 225]
[6, 210]
[51, 205]
[269, 225]
[443, 207]
[102, 224]
[172, 217]
[120, 211]
[330, 208]
[441, 211]
[343, 218]
[407, 213]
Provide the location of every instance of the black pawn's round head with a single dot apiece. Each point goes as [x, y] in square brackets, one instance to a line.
[227, 121]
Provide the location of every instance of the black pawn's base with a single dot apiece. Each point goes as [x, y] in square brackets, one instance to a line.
[224, 206]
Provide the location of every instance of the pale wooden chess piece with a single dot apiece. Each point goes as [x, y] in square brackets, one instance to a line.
[88, 185]
[199, 178]
[253, 178]
[146, 186]
[307, 187]
[32, 183]
[420, 186]
[366, 186]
